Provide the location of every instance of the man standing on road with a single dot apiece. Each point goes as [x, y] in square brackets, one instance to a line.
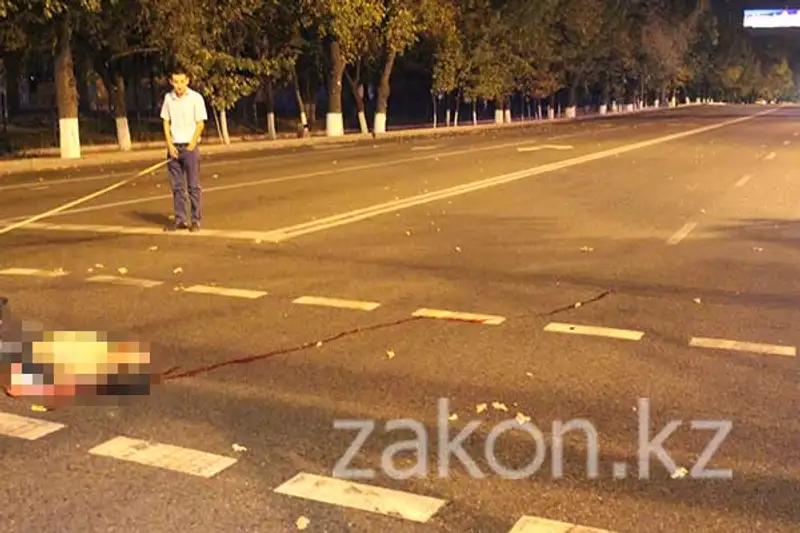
[184, 115]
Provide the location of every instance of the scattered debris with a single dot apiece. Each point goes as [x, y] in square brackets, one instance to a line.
[319, 343]
[122, 270]
[499, 406]
[698, 301]
[302, 523]
[390, 354]
[680, 473]
[238, 448]
[408, 232]
[481, 408]
[585, 249]
[453, 417]
[758, 249]
[39, 408]
[522, 419]
[458, 248]
[177, 270]
[153, 248]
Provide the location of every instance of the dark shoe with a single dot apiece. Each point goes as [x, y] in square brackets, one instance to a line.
[194, 227]
[176, 226]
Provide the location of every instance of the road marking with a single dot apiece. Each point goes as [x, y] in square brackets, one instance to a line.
[770, 156]
[627, 334]
[335, 302]
[283, 234]
[739, 346]
[682, 233]
[33, 272]
[489, 320]
[362, 497]
[543, 147]
[165, 456]
[532, 524]
[423, 148]
[147, 230]
[132, 282]
[22, 427]
[743, 180]
[223, 291]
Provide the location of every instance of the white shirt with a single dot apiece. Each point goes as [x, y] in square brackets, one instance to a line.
[183, 113]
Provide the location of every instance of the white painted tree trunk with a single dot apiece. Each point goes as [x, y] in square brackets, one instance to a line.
[498, 116]
[603, 109]
[124, 134]
[551, 113]
[362, 122]
[474, 117]
[380, 122]
[447, 117]
[271, 130]
[70, 138]
[334, 125]
[507, 116]
[455, 119]
[223, 119]
[571, 112]
[629, 108]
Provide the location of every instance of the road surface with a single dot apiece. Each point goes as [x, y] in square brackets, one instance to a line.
[625, 272]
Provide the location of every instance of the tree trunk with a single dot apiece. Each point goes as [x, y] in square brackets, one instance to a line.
[223, 120]
[334, 123]
[269, 94]
[384, 90]
[121, 113]
[303, 129]
[474, 112]
[67, 95]
[358, 96]
[12, 65]
[498, 110]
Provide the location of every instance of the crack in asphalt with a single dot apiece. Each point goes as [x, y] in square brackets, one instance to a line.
[175, 373]
[576, 305]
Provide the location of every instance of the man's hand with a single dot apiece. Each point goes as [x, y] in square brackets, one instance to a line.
[173, 152]
[191, 146]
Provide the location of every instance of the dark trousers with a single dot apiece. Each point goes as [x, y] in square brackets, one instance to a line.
[184, 172]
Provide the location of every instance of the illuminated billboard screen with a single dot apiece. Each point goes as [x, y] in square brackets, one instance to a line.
[771, 18]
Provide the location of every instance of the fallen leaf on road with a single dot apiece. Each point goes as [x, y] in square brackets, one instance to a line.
[458, 248]
[302, 523]
[259, 241]
[522, 419]
[319, 343]
[390, 354]
[758, 249]
[215, 176]
[679, 473]
[481, 407]
[38, 408]
[408, 233]
[98, 265]
[587, 249]
[238, 448]
[578, 304]
[153, 248]
[697, 300]
[122, 270]
[453, 417]
[177, 270]
[499, 406]
[90, 270]
[529, 374]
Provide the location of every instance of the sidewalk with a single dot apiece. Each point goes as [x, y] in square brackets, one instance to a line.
[153, 152]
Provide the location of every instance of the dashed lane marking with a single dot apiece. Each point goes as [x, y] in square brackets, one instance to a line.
[598, 331]
[489, 320]
[336, 302]
[147, 230]
[165, 456]
[682, 233]
[224, 291]
[770, 156]
[739, 346]
[532, 524]
[22, 427]
[743, 180]
[424, 148]
[131, 282]
[344, 493]
[33, 272]
[543, 147]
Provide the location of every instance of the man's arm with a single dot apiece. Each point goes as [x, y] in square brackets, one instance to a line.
[200, 117]
[167, 125]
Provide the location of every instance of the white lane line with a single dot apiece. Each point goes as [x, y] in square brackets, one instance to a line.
[224, 291]
[543, 147]
[336, 302]
[165, 456]
[147, 230]
[33, 272]
[576, 329]
[739, 346]
[363, 497]
[770, 156]
[424, 148]
[131, 282]
[682, 233]
[489, 320]
[283, 234]
[743, 180]
[533, 524]
[22, 427]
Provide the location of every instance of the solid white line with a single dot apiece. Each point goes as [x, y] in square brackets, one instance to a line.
[489, 320]
[543, 147]
[165, 456]
[423, 148]
[335, 302]
[724, 344]
[33, 272]
[147, 230]
[627, 334]
[356, 215]
[682, 233]
[132, 282]
[770, 156]
[533, 524]
[743, 180]
[22, 427]
[223, 291]
[363, 497]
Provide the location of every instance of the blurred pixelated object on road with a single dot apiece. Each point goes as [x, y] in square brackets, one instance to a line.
[56, 368]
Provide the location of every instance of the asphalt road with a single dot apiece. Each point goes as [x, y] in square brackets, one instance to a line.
[676, 229]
